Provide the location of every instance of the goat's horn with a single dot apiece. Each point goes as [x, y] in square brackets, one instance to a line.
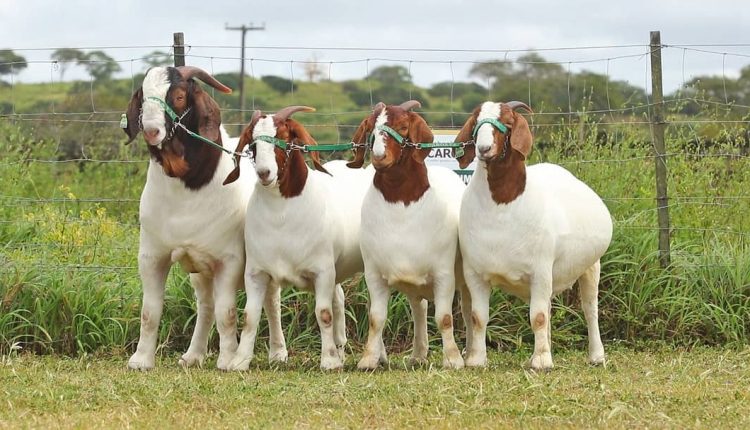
[378, 108]
[188, 72]
[256, 115]
[411, 104]
[288, 111]
[516, 104]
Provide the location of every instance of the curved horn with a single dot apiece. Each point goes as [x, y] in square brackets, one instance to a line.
[378, 108]
[411, 104]
[516, 104]
[288, 111]
[188, 72]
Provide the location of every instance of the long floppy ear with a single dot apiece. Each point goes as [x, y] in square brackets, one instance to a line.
[360, 137]
[299, 132]
[133, 115]
[246, 138]
[520, 134]
[465, 135]
[209, 114]
[419, 132]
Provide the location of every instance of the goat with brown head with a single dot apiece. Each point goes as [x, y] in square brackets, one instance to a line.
[275, 166]
[174, 89]
[401, 174]
[502, 140]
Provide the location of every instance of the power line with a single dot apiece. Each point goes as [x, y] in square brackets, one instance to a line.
[244, 29]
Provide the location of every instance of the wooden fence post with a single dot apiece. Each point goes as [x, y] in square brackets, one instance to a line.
[658, 125]
[179, 49]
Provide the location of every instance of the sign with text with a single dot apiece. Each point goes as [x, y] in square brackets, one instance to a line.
[444, 156]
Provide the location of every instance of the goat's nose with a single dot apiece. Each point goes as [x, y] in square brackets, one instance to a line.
[151, 133]
[263, 174]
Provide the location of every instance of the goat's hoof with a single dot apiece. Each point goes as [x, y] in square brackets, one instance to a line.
[192, 359]
[331, 363]
[368, 363]
[476, 360]
[541, 362]
[141, 362]
[418, 361]
[278, 356]
[239, 364]
[598, 360]
[341, 351]
[225, 360]
[454, 362]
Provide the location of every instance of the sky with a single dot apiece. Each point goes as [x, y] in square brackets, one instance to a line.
[442, 37]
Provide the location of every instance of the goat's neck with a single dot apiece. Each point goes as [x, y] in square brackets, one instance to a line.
[405, 181]
[190, 160]
[507, 177]
[294, 176]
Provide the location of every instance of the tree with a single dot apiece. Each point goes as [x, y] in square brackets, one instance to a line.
[99, 65]
[158, 59]
[278, 83]
[11, 63]
[313, 69]
[65, 57]
[391, 75]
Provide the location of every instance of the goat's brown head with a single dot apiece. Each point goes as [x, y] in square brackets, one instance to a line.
[275, 165]
[501, 129]
[383, 129]
[173, 89]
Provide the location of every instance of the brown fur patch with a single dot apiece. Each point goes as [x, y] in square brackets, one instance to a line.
[325, 317]
[507, 177]
[475, 320]
[539, 321]
[447, 322]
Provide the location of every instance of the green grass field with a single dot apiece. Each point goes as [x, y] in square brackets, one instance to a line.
[654, 388]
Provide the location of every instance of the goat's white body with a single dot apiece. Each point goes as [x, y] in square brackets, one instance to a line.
[414, 249]
[203, 231]
[310, 241]
[534, 247]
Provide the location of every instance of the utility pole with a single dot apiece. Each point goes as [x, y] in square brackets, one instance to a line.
[244, 29]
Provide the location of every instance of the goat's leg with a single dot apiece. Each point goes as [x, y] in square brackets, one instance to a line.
[445, 289]
[256, 286]
[539, 316]
[339, 321]
[374, 353]
[466, 316]
[325, 287]
[196, 353]
[479, 292]
[588, 285]
[419, 313]
[276, 343]
[153, 270]
[226, 281]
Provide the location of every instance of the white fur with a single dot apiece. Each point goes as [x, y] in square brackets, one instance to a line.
[203, 231]
[534, 247]
[155, 84]
[484, 137]
[310, 241]
[414, 249]
[378, 145]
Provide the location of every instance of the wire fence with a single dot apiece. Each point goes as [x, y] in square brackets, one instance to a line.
[600, 125]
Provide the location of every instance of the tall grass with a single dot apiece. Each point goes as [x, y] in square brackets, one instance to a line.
[69, 284]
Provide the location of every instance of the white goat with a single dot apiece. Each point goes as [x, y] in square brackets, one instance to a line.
[409, 233]
[186, 215]
[304, 226]
[532, 231]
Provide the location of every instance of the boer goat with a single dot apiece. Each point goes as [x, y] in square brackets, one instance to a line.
[409, 234]
[186, 215]
[532, 231]
[304, 226]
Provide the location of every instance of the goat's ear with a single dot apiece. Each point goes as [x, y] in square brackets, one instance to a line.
[245, 139]
[465, 135]
[209, 114]
[419, 132]
[299, 132]
[520, 135]
[360, 137]
[133, 115]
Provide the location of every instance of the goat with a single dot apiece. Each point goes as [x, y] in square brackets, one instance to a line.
[409, 233]
[304, 226]
[532, 231]
[186, 215]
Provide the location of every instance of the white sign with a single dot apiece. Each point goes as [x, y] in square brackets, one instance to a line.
[444, 156]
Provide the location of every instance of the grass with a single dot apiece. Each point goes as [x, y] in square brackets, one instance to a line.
[654, 388]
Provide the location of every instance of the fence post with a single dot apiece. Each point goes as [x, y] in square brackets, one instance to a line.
[179, 49]
[657, 129]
